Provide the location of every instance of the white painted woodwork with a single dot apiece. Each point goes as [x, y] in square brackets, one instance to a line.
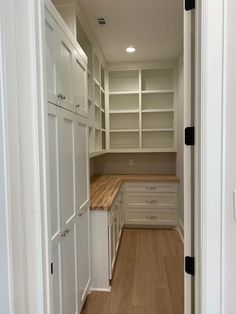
[106, 228]
[51, 41]
[151, 203]
[141, 100]
[80, 86]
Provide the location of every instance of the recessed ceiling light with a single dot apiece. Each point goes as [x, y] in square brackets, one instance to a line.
[130, 49]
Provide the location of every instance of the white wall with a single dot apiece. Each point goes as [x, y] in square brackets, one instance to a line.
[229, 223]
[180, 137]
[143, 163]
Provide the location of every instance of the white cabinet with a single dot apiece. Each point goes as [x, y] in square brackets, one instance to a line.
[66, 70]
[106, 228]
[61, 134]
[151, 203]
[80, 86]
[69, 192]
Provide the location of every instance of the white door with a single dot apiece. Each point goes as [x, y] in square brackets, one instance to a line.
[51, 50]
[65, 72]
[55, 215]
[188, 153]
[83, 209]
[63, 219]
[80, 86]
[68, 210]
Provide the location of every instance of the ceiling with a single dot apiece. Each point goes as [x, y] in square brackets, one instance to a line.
[154, 27]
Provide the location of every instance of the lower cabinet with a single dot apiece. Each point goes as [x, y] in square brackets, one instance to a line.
[151, 203]
[106, 229]
[69, 211]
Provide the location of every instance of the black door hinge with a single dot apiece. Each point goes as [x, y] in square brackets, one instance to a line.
[51, 268]
[189, 5]
[189, 265]
[189, 136]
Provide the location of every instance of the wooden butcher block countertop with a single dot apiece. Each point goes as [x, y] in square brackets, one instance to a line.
[104, 188]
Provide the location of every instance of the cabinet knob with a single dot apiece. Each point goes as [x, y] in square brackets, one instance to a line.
[60, 96]
[63, 97]
[77, 106]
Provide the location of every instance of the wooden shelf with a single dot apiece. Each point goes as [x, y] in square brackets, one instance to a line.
[96, 82]
[154, 92]
[124, 93]
[157, 110]
[124, 130]
[157, 130]
[123, 111]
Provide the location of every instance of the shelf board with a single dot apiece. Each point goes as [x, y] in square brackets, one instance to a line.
[102, 89]
[97, 153]
[124, 130]
[124, 93]
[96, 105]
[141, 150]
[102, 110]
[89, 72]
[153, 92]
[90, 99]
[124, 111]
[157, 110]
[157, 130]
[103, 130]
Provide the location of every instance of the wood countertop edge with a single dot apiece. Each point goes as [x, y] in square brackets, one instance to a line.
[125, 179]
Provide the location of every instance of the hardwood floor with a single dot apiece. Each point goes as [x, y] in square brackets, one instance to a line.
[148, 277]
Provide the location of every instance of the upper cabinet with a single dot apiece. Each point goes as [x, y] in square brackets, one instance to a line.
[66, 66]
[141, 110]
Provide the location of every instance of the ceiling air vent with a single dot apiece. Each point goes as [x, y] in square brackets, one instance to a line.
[101, 21]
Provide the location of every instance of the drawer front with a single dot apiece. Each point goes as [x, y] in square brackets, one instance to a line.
[152, 187]
[150, 200]
[161, 218]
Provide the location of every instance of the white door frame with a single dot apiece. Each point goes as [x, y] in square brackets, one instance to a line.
[208, 159]
[22, 152]
[26, 179]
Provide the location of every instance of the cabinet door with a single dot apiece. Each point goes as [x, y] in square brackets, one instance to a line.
[55, 215]
[83, 208]
[65, 72]
[82, 162]
[83, 255]
[68, 210]
[80, 85]
[51, 38]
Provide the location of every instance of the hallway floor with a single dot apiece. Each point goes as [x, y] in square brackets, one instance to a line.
[148, 277]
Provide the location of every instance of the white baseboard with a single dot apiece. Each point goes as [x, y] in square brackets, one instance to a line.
[180, 229]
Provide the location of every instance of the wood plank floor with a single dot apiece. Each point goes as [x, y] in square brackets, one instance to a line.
[148, 277]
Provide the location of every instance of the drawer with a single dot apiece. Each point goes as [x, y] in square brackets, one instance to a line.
[149, 200]
[152, 187]
[161, 218]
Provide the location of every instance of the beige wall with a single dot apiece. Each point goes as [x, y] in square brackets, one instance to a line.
[180, 137]
[140, 163]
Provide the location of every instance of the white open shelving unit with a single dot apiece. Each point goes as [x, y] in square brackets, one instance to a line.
[141, 110]
[96, 96]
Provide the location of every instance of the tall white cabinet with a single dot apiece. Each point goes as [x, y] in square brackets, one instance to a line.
[69, 217]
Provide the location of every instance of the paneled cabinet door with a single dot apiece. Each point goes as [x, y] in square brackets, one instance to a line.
[51, 50]
[55, 214]
[61, 136]
[68, 210]
[65, 72]
[82, 162]
[80, 85]
[82, 204]
[83, 255]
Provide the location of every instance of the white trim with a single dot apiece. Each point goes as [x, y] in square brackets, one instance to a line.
[100, 289]
[208, 216]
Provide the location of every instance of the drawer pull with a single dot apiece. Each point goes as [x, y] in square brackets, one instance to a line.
[150, 187]
[151, 201]
[151, 217]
